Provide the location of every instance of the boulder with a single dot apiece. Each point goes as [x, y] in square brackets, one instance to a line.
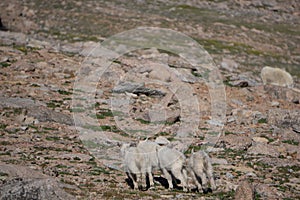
[244, 191]
[284, 118]
[263, 149]
[236, 142]
[22, 183]
[35, 110]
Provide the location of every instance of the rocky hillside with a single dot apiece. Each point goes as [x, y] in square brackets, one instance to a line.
[49, 150]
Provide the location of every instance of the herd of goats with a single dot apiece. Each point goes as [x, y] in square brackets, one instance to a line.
[142, 158]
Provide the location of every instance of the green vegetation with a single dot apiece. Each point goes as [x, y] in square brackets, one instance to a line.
[96, 171]
[54, 104]
[25, 49]
[262, 121]
[53, 138]
[3, 126]
[293, 142]
[77, 109]
[5, 64]
[63, 92]
[103, 113]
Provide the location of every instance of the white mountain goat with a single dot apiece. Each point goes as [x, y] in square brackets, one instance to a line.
[136, 164]
[149, 150]
[171, 162]
[200, 168]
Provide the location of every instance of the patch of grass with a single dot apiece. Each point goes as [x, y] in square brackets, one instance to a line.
[61, 166]
[17, 111]
[3, 174]
[143, 121]
[5, 64]
[77, 109]
[65, 173]
[7, 153]
[34, 85]
[257, 196]
[229, 133]
[3, 126]
[53, 138]
[227, 82]
[192, 147]
[5, 143]
[292, 142]
[92, 145]
[96, 171]
[52, 105]
[103, 113]
[163, 134]
[110, 128]
[263, 165]
[76, 158]
[225, 195]
[25, 49]
[63, 92]
[269, 139]
[262, 121]
[41, 148]
[50, 129]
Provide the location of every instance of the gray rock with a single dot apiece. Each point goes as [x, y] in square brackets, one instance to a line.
[267, 192]
[137, 88]
[264, 149]
[237, 142]
[229, 175]
[44, 114]
[244, 191]
[32, 189]
[229, 65]
[278, 92]
[23, 183]
[284, 118]
[276, 76]
[162, 140]
[219, 161]
[173, 116]
[36, 110]
[278, 162]
[296, 128]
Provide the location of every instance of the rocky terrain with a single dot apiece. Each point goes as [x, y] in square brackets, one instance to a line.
[49, 150]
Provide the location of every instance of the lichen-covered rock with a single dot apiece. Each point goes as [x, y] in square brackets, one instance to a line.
[32, 189]
[244, 191]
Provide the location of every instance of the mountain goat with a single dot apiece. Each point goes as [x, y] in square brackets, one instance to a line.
[149, 150]
[135, 163]
[171, 162]
[200, 167]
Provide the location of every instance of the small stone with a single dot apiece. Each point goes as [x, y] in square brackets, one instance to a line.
[275, 104]
[161, 140]
[219, 161]
[260, 139]
[24, 128]
[251, 174]
[229, 65]
[229, 175]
